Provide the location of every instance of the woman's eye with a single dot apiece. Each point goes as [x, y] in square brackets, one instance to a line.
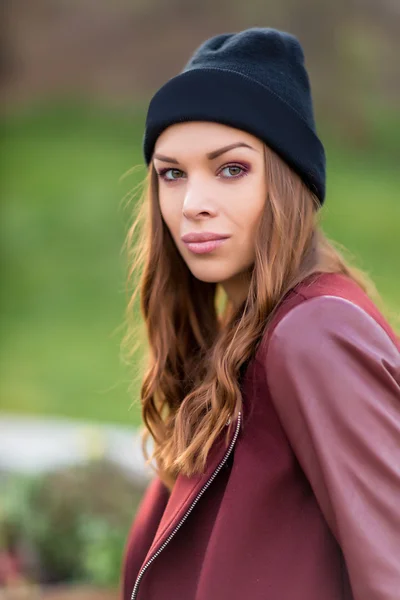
[232, 171]
[228, 172]
[171, 174]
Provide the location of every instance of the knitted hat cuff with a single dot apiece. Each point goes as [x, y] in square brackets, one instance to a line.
[231, 98]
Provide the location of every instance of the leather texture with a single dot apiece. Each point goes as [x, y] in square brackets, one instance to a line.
[308, 506]
[334, 377]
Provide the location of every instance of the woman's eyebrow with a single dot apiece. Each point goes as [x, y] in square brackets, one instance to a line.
[216, 153]
[210, 155]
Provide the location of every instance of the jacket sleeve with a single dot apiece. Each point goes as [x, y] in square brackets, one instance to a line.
[334, 377]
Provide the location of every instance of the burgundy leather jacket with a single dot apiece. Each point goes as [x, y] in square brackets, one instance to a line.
[304, 502]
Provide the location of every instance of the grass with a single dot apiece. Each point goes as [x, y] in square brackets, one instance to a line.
[63, 288]
[63, 226]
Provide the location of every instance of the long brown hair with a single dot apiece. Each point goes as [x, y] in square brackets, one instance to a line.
[197, 341]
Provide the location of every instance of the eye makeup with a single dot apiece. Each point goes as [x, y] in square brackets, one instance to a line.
[245, 169]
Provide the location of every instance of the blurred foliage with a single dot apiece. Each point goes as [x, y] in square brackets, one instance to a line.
[70, 525]
[63, 277]
[64, 220]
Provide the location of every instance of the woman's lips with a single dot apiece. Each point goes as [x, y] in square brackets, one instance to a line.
[204, 247]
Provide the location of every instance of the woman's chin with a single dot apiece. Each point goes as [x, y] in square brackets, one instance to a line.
[209, 273]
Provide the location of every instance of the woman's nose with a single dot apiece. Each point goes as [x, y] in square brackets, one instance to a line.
[197, 200]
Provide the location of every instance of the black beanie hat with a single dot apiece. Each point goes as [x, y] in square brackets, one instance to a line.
[254, 80]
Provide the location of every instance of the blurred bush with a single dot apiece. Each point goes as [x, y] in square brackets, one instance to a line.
[69, 525]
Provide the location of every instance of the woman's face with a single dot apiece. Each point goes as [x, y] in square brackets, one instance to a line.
[212, 179]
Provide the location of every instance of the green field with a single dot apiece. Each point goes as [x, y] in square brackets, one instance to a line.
[63, 226]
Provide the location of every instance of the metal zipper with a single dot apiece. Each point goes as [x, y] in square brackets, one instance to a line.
[185, 516]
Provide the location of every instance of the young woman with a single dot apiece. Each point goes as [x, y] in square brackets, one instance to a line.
[272, 392]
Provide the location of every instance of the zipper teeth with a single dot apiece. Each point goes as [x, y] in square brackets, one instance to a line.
[185, 516]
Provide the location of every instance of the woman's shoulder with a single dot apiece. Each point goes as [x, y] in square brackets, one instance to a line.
[330, 341]
[338, 299]
[324, 308]
[336, 285]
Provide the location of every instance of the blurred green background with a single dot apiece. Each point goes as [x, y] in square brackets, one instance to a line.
[63, 227]
[76, 80]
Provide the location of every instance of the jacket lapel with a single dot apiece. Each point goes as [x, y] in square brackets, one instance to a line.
[183, 493]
